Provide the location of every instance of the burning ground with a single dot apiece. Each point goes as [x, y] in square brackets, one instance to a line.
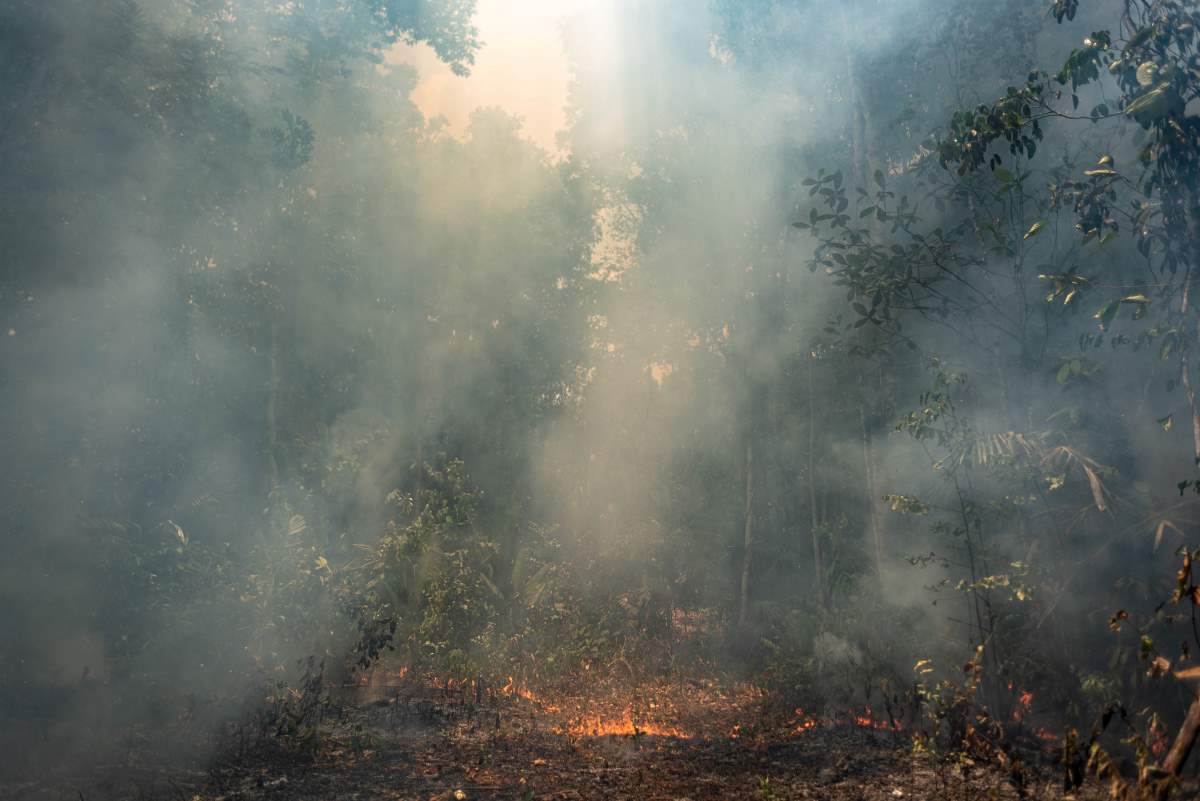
[397, 736]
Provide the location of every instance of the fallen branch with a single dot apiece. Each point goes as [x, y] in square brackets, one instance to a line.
[1181, 749]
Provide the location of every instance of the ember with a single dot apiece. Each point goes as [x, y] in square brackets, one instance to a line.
[1045, 735]
[863, 720]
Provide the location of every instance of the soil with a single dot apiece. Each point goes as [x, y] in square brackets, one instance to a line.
[691, 741]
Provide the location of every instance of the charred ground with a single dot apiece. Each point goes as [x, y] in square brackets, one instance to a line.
[395, 737]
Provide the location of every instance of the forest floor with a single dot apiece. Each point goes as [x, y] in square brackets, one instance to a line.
[689, 740]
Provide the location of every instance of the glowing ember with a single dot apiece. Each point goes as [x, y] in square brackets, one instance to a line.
[1043, 734]
[807, 725]
[1024, 705]
[867, 720]
[863, 720]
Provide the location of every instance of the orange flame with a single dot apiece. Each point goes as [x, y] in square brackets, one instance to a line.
[808, 724]
[520, 691]
[864, 720]
[517, 690]
[596, 726]
[868, 721]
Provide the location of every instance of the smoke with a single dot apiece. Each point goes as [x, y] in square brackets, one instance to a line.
[251, 289]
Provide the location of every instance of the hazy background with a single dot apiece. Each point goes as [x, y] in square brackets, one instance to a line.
[265, 262]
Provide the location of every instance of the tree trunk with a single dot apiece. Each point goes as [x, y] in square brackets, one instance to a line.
[1182, 747]
[747, 540]
[271, 412]
[866, 161]
[869, 476]
[859, 173]
[864, 147]
[818, 566]
[1184, 741]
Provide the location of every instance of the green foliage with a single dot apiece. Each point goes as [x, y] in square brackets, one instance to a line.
[292, 713]
[972, 134]
[430, 590]
[446, 25]
[426, 585]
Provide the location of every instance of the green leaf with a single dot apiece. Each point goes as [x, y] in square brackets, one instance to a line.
[1167, 422]
[1033, 229]
[1004, 176]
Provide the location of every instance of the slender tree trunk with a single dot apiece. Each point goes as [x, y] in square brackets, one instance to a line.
[747, 540]
[866, 160]
[859, 172]
[271, 413]
[818, 566]
[869, 475]
[864, 146]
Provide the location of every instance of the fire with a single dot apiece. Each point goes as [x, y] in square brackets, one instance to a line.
[1045, 735]
[806, 725]
[1024, 704]
[517, 689]
[867, 720]
[864, 720]
[520, 691]
[596, 726]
